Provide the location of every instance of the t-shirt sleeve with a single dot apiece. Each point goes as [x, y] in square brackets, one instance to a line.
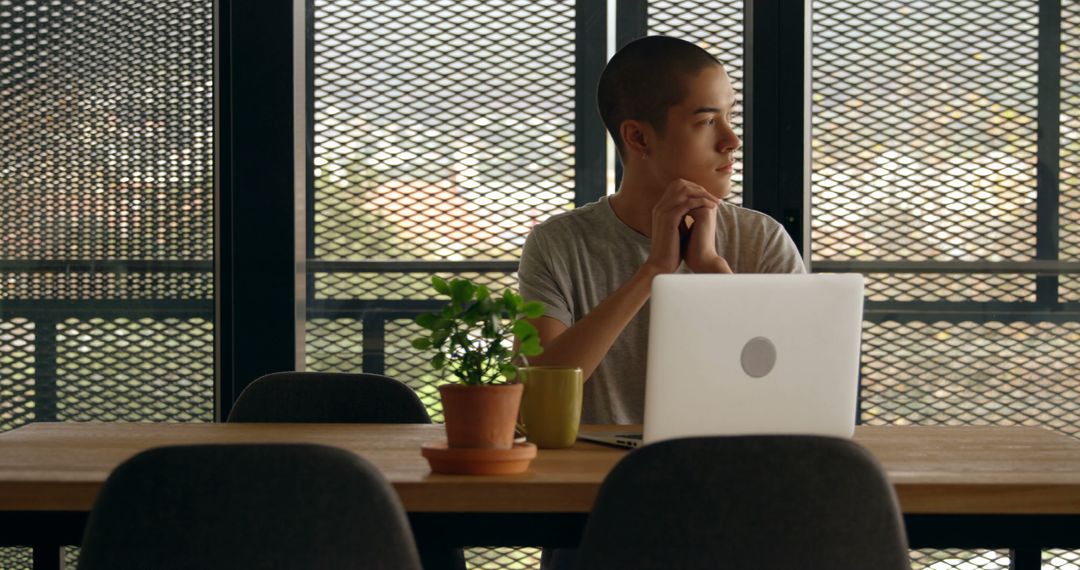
[781, 255]
[537, 279]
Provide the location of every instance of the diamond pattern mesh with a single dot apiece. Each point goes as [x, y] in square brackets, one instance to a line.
[924, 148]
[411, 367]
[924, 133]
[106, 155]
[950, 287]
[135, 370]
[392, 286]
[502, 558]
[717, 26]
[994, 373]
[107, 121]
[16, 373]
[1069, 150]
[956, 559]
[334, 345]
[16, 558]
[443, 130]
[84, 285]
[1060, 560]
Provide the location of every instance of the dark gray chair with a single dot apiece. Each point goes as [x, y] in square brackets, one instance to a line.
[327, 397]
[754, 502]
[264, 506]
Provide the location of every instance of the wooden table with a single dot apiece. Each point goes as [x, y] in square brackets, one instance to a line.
[965, 487]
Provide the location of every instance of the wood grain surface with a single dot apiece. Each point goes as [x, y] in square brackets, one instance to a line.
[1014, 470]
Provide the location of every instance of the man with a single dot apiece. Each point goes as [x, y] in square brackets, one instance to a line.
[667, 103]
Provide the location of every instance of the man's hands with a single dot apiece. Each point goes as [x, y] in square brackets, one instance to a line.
[673, 241]
[701, 255]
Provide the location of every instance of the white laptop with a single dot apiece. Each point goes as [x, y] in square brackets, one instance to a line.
[750, 354]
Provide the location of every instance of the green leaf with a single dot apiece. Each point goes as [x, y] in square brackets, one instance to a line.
[439, 337]
[438, 361]
[509, 371]
[440, 285]
[461, 290]
[428, 320]
[524, 331]
[533, 309]
[531, 347]
[421, 343]
[474, 313]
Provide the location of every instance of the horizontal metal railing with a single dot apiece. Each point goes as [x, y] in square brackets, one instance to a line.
[45, 314]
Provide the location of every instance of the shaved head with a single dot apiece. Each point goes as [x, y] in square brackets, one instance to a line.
[646, 78]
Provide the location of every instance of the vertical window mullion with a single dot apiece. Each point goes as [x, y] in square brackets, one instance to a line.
[1047, 182]
[631, 23]
[590, 150]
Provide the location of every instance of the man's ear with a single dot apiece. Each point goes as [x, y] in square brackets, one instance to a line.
[637, 138]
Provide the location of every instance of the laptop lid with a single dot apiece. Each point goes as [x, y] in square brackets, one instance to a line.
[753, 354]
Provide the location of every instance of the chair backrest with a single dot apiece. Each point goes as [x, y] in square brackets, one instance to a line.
[326, 397]
[247, 506]
[754, 502]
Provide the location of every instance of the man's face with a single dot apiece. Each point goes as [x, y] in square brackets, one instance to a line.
[698, 143]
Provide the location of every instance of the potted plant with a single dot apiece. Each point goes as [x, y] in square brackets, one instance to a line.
[472, 337]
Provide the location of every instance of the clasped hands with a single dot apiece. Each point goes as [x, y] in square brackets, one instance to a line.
[674, 240]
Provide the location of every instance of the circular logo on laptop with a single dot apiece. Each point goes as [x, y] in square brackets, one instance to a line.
[758, 357]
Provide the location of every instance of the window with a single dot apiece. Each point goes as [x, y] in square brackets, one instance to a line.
[929, 176]
[106, 213]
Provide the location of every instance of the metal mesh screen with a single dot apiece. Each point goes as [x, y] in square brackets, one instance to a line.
[975, 287]
[411, 367]
[924, 142]
[106, 124]
[106, 117]
[1060, 560]
[924, 133]
[88, 285]
[442, 130]
[106, 157]
[717, 26]
[16, 373]
[135, 370]
[396, 286]
[334, 345]
[956, 559]
[1069, 150]
[502, 558]
[994, 373]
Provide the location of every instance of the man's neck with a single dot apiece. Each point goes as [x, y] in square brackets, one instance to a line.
[633, 204]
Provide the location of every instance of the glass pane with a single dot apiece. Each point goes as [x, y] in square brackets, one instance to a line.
[924, 132]
[967, 373]
[443, 130]
[106, 214]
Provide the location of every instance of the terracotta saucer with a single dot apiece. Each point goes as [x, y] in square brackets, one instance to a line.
[478, 461]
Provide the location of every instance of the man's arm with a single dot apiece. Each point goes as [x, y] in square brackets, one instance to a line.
[587, 342]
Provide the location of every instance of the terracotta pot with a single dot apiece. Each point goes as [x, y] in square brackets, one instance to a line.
[481, 417]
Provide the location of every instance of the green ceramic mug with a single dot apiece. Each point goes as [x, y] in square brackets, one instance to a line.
[551, 405]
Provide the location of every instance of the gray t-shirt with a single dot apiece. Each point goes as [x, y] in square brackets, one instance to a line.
[575, 260]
